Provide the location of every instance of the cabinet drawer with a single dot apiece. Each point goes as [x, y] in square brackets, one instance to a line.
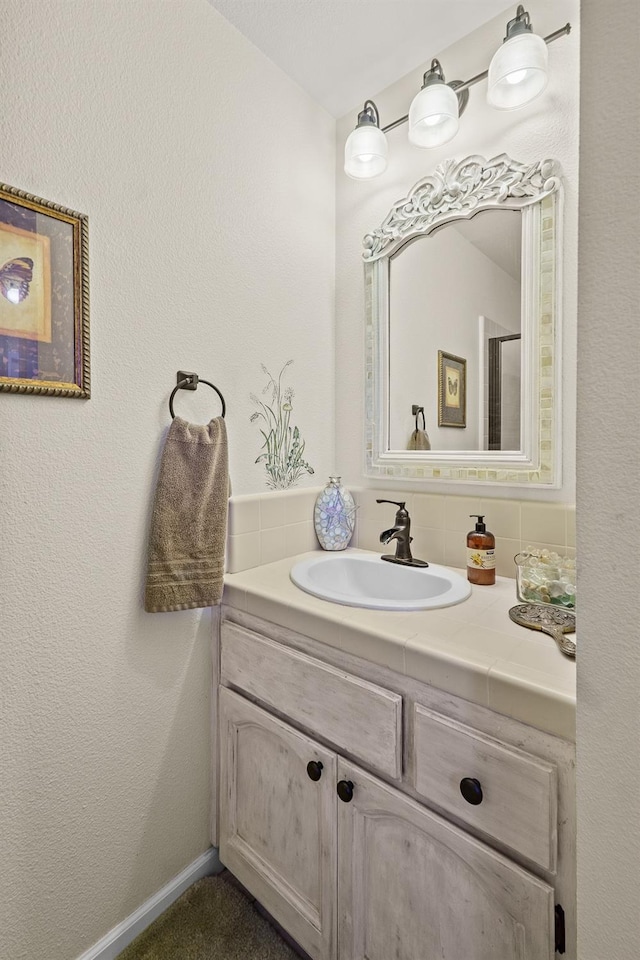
[353, 715]
[515, 793]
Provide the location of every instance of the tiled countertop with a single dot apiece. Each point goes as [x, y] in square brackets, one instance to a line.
[472, 650]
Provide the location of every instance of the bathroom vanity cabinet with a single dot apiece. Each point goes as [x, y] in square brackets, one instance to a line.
[377, 817]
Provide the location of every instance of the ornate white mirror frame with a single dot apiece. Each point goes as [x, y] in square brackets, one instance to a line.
[459, 190]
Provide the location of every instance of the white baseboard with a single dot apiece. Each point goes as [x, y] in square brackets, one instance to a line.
[121, 936]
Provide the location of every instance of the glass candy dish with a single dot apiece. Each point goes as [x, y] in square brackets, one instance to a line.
[543, 576]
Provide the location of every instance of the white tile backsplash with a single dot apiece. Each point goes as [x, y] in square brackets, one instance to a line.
[439, 525]
[272, 510]
[543, 522]
[505, 518]
[272, 545]
[300, 537]
[427, 543]
[298, 506]
[243, 551]
[455, 548]
[506, 550]
[272, 526]
[458, 511]
[245, 516]
[265, 527]
[427, 511]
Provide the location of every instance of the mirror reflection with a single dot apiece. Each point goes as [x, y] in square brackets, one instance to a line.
[454, 337]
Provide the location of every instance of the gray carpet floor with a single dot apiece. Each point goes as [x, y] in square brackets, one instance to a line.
[213, 920]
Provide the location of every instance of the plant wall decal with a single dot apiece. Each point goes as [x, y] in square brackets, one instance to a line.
[283, 446]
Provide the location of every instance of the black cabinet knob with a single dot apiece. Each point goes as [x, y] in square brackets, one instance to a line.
[471, 790]
[314, 769]
[345, 790]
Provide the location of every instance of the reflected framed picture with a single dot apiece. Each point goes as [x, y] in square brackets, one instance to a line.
[44, 297]
[452, 390]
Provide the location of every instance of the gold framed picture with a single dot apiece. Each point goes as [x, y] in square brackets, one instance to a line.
[44, 297]
[452, 390]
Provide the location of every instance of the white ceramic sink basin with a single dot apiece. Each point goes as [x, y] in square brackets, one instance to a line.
[363, 580]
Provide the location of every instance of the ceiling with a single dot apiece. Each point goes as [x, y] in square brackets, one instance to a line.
[343, 51]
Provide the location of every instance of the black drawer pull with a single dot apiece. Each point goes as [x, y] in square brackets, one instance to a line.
[471, 790]
[345, 790]
[314, 769]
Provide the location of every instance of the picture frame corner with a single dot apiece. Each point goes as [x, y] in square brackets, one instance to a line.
[44, 262]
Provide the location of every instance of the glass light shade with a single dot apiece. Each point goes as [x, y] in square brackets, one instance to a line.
[518, 72]
[433, 116]
[365, 152]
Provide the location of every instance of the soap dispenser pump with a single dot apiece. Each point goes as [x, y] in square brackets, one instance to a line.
[481, 554]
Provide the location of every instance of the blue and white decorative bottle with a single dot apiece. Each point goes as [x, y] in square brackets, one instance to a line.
[334, 516]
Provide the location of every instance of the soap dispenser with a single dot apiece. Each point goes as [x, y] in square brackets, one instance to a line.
[481, 554]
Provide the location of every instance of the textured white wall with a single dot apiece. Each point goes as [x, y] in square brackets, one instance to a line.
[548, 127]
[608, 489]
[208, 179]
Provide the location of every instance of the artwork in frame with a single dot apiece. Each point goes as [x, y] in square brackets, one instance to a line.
[44, 297]
[452, 390]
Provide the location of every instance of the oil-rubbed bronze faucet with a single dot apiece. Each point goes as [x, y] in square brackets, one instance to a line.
[400, 533]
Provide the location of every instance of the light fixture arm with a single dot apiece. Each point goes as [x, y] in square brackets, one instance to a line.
[521, 23]
[461, 87]
[369, 114]
[435, 74]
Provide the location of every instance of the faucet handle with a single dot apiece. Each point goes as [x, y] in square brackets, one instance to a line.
[394, 502]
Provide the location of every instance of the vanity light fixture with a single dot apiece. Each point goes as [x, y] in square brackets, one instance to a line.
[517, 75]
[366, 149]
[518, 71]
[434, 111]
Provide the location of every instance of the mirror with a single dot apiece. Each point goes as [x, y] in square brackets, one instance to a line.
[457, 291]
[461, 298]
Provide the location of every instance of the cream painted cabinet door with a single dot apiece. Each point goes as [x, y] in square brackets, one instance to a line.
[413, 887]
[277, 825]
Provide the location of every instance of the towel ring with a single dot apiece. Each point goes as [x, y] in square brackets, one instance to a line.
[190, 381]
[416, 410]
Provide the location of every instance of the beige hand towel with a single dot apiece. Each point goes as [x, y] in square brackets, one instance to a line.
[189, 522]
[419, 440]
